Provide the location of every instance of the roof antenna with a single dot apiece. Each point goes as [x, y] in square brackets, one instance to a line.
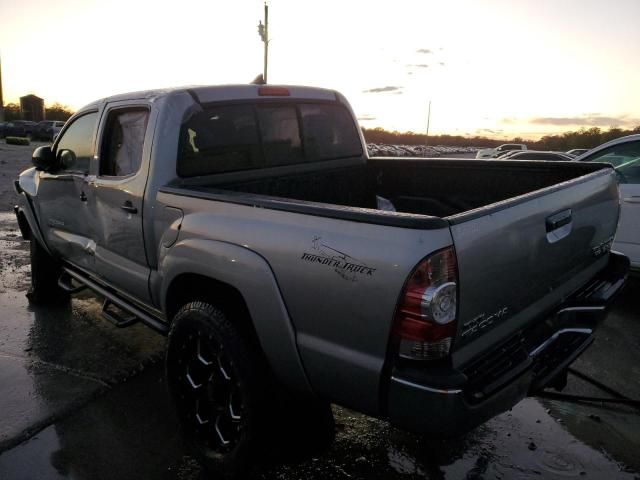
[259, 80]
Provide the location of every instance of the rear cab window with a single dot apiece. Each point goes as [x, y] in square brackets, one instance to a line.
[230, 138]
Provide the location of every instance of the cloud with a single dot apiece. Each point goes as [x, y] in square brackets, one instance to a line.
[426, 51]
[587, 121]
[396, 90]
[488, 130]
[367, 118]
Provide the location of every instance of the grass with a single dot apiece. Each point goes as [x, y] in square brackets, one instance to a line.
[17, 140]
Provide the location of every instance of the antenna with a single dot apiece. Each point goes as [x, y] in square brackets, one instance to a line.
[263, 31]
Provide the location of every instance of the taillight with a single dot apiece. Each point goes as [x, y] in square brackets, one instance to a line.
[273, 92]
[425, 322]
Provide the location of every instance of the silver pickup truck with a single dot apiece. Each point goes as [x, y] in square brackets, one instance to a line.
[290, 270]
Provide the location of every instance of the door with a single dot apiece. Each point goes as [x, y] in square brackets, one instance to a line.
[625, 158]
[62, 201]
[627, 239]
[116, 196]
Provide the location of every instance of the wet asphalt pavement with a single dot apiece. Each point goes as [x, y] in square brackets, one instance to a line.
[82, 399]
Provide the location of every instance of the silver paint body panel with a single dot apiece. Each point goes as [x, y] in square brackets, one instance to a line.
[324, 326]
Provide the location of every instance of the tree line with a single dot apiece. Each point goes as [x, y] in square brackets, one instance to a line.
[57, 111]
[582, 138]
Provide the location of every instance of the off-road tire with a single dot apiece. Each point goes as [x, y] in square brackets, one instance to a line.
[45, 272]
[220, 387]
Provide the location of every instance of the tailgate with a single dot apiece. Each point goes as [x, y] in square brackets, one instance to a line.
[524, 256]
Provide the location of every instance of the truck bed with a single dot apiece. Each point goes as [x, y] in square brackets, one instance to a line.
[442, 188]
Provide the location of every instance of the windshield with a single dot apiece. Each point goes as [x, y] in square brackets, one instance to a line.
[229, 138]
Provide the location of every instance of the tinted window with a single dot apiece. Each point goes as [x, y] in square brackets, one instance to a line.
[625, 157]
[75, 148]
[123, 142]
[280, 132]
[329, 132]
[241, 137]
[221, 139]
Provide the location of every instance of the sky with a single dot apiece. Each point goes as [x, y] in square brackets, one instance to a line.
[496, 68]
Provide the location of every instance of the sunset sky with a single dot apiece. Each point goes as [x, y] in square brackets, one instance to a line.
[495, 68]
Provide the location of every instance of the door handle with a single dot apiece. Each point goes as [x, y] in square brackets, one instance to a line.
[128, 207]
[83, 197]
[558, 220]
[632, 199]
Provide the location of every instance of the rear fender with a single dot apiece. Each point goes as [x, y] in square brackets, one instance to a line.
[251, 275]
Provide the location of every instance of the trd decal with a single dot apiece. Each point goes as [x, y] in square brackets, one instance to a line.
[344, 265]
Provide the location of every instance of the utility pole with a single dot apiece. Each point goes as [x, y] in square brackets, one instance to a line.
[426, 140]
[1, 99]
[263, 31]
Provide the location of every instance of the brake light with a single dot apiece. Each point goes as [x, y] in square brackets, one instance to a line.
[273, 92]
[425, 321]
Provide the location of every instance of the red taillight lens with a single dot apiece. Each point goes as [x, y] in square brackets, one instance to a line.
[425, 322]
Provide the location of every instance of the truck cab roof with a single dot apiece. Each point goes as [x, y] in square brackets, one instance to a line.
[215, 93]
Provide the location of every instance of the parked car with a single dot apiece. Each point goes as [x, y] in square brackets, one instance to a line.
[20, 128]
[2, 128]
[507, 154]
[541, 155]
[48, 129]
[291, 270]
[624, 154]
[577, 151]
[495, 152]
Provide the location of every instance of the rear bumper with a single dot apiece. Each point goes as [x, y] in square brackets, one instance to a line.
[448, 402]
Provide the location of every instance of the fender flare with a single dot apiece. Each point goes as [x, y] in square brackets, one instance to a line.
[250, 274]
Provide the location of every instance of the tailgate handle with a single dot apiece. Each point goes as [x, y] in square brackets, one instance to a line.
[558, 220]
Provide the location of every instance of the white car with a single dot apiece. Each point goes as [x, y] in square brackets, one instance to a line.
[495, 152]
[624, 154]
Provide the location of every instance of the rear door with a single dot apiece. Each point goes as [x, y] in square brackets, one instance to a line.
[116, 196]
[527, 254]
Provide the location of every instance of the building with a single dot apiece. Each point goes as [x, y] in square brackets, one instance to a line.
[32, 108]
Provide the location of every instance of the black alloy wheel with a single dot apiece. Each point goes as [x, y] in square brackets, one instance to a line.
[217, 383]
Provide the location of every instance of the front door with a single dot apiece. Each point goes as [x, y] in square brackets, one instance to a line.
[62, 200]
[116, 197]
[625, 158]
[628, 237]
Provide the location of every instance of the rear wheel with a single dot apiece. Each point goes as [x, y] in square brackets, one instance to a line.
[232, 411]
[218, 386]
[45, 272]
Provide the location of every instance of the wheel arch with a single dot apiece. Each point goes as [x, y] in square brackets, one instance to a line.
[240, 281]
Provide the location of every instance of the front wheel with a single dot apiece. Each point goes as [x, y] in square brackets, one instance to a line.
[45, 272]
[218, 385]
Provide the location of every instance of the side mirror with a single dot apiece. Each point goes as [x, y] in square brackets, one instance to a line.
[43, 158]
[66, 159]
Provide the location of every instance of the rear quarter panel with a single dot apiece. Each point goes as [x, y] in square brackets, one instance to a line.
[339, 282]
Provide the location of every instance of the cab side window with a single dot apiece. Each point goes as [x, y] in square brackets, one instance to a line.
[121, 153]
[75, 147]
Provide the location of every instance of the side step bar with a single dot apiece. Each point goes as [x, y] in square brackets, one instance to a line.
[112, 299]
[65, 282]
[115, 317]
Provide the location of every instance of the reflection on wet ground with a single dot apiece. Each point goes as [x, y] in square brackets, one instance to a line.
[74, 405]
